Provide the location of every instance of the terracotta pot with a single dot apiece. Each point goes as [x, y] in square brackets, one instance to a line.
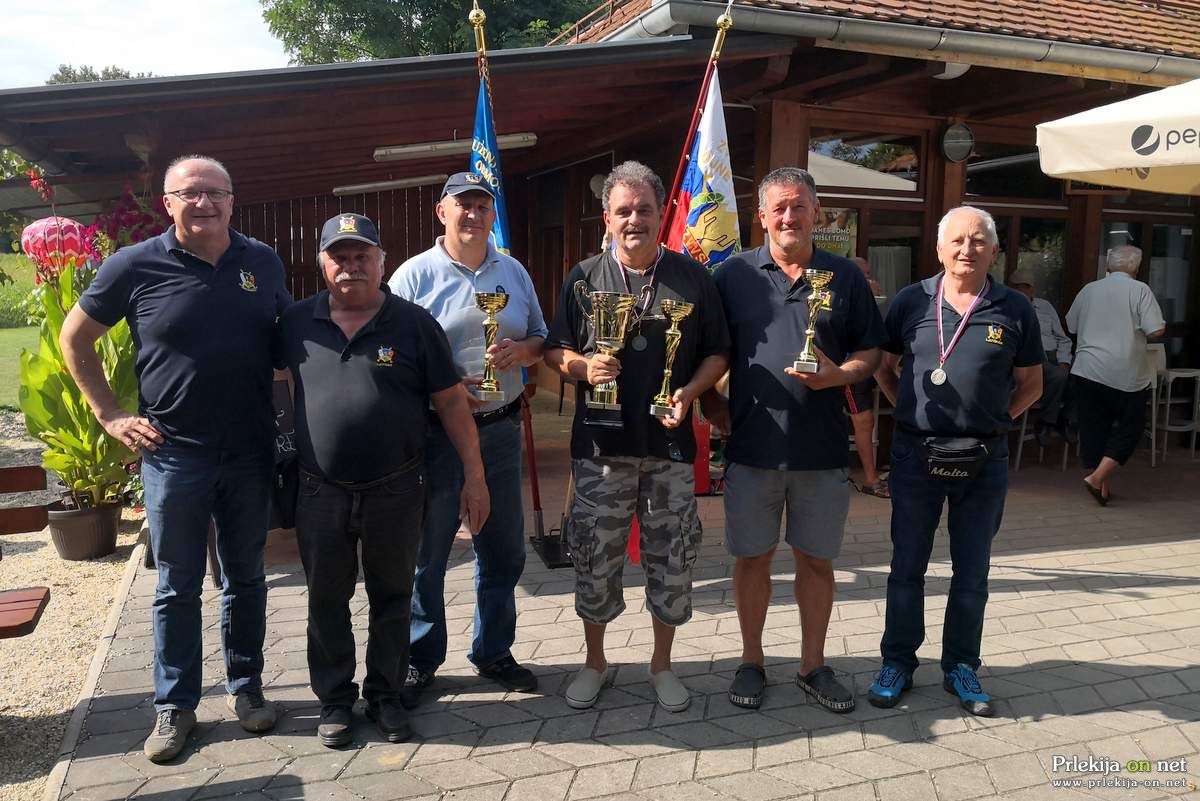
[84, 533]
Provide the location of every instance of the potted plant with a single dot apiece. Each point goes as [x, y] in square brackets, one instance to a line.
[91, 465]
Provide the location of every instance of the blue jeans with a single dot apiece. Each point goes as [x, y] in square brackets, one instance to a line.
[185, 487]
[499, 547]
[976, 507]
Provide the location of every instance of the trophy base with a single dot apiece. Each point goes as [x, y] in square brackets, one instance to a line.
[801, 366]
[489, 394]
[603, 417]
[609, 407]
[661, 411]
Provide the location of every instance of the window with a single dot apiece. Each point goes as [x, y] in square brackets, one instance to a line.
[868, 162]
[1009, 171]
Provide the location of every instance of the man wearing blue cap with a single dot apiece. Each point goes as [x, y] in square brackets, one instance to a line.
[444, 280]
[363, 359]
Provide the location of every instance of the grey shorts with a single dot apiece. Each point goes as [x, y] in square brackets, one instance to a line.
[817, 503]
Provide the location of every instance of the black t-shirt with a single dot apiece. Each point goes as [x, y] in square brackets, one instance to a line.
[203, 336]
[361, 405]
[676, 277]
[1002, 333]
[778, 423]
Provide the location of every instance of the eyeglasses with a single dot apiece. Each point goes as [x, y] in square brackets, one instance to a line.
[194, 195]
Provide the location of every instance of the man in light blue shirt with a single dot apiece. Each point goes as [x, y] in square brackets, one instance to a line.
[1056, 406]
[444, 280]
[1112, 318]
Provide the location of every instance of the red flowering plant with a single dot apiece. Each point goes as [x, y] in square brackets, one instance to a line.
[130, 220]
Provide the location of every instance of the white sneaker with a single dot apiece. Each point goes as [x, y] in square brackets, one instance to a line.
[584, 689]
[672, 695]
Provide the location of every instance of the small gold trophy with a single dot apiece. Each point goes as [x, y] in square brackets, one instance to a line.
[807, 362]
[490, 303]
[610, 317]
[675, 311]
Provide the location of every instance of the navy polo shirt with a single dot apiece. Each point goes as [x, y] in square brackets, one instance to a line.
[778, 423]
[676, 277]
[362, 404]
[1001, 334]
[203, 335]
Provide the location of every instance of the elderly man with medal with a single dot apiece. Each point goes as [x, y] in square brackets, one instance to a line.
[641, 332]
[964, 360]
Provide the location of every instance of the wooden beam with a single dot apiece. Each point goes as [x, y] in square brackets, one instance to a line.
[896, 75]
[805, 78]
[781, 140]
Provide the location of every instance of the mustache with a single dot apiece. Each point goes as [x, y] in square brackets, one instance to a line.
[350, 276]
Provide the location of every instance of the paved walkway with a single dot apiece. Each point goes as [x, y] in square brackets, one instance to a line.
[1092, 642]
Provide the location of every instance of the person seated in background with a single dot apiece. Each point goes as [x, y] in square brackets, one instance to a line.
[1056, 400]
[860, 405]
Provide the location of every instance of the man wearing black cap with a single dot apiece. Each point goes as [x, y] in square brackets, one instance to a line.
[444, 280]
[363, 359]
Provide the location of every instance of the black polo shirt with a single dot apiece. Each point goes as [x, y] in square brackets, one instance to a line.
[203, 335]
[362, 404]
[676, 277]
[778, 423]
[1002, 334]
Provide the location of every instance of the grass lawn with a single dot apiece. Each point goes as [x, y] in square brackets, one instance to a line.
[11, 342]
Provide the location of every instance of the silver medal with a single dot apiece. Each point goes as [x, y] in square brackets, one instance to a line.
[639, 343]
[938, 377]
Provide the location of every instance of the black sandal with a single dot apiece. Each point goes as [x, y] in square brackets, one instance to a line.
[824, 687]
[1096, 493]
[749, 684]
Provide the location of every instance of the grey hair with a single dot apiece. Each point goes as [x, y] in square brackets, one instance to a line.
[1125, 258]
[786, 176]
[989, 223]
[196, 157]
[633, 173]
[321, 262]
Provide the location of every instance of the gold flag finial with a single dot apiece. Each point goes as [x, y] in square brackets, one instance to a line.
[724, 23]
[477, 18]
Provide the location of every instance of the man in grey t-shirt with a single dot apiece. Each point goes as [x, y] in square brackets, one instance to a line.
[1112, 318]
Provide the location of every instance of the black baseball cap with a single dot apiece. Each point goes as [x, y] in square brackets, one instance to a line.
[467, 182]
[349, 226]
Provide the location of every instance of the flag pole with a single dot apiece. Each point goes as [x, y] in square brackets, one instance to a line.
[724, 23]
[477, 19]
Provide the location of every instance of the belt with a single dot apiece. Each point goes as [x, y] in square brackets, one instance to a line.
[487, 418]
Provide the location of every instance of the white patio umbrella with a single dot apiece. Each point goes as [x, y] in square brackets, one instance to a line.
[1150, 142]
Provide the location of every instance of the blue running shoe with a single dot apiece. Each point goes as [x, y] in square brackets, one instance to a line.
[888, 686]
[963, 682]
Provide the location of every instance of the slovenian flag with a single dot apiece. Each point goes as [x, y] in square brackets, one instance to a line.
[704, 221]
[485, 160]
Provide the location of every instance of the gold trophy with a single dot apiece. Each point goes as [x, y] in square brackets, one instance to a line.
[490, 303]
[675, 311]
[610, 317]
[807, 362]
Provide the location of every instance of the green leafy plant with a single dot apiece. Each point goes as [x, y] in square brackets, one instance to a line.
[91, 464]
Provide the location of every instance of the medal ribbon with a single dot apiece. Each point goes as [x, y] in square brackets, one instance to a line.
[652, 271]
[943, 349]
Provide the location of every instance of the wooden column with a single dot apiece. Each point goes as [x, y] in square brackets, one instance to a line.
[780, 140]
[1083, 236]
[946, 182]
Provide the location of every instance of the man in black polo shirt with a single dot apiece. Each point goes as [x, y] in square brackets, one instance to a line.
[964, 359]
[789, 441]
[366, 365]
[201, 300]
[645, 466]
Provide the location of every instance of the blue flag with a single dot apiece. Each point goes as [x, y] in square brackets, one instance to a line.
[485, 160]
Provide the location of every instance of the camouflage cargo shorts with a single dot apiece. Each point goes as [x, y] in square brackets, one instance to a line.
[607, 490]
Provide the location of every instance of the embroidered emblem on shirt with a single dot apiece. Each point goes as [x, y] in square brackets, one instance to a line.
[995, 335]
[247, 281]
[827, 301]
[386, 357]
[347, 225]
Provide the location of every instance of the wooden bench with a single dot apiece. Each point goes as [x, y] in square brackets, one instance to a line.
[20, 610]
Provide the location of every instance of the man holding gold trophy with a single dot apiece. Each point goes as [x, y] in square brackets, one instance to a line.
[486, 303]
[641, 333]
[803, 324]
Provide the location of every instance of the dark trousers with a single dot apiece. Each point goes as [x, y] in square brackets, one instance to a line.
[976, 507]
[1055, 400]
[1111, 422]
[332, 520]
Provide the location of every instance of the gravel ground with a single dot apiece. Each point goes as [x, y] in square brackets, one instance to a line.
[42, 673]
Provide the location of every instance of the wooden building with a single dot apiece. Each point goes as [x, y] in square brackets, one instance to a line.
[901, 109]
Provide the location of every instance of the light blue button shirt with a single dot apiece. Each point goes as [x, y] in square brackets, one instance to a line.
[446, 289]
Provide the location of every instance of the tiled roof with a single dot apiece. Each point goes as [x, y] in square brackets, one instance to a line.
[1156, 26]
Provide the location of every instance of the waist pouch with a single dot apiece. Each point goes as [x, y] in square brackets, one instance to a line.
[954, 458]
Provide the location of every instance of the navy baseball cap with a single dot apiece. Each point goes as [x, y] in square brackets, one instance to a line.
[467, 182]
[349, 226]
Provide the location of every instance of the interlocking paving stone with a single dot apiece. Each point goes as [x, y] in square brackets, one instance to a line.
[603, 780]
[962, 782]
[245, 778]
[324, 791]
[107, 792]
[667, 769]
[1015, 772]
[755, 786]
[451, 775]
[522, 764]
[388, 786]
[915, 787]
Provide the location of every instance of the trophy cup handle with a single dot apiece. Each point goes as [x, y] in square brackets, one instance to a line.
[643, 302]
[581, 298]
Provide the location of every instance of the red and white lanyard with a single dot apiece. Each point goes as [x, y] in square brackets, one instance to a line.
[938, 376]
